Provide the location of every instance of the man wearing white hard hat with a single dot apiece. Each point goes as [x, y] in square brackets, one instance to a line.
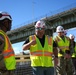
[41, 51]
[7, 56]
[73, 50]
[62, 43]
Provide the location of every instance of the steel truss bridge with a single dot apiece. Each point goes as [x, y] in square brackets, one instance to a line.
[67, 19]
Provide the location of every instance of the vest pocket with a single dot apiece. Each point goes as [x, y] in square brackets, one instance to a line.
[35, 61]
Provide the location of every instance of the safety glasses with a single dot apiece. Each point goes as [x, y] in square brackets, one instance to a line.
[40, 29]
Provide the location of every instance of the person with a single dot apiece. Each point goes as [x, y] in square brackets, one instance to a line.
[41, 51]
[62, 42]
[7, 56]
[73, 50]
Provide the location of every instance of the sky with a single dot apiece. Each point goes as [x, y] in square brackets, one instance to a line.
[26, 11]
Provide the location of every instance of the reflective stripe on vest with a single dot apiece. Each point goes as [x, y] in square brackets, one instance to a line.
[8, 53]
[64, 47]
[49, 40]
[40, 53]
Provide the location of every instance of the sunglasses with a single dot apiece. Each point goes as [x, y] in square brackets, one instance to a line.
[40, 28]
[1, 15]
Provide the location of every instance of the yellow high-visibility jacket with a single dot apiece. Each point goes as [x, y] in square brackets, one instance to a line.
[41, 56]
[63, 45]
[8, 53]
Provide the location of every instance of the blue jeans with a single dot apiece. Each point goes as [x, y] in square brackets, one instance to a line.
[43, 70]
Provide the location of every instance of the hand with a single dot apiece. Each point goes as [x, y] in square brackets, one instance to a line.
[33, 42]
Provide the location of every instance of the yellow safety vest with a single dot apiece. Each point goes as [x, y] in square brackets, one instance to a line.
[74, 54]
[63, 45]
[8, 53]
[41, 56]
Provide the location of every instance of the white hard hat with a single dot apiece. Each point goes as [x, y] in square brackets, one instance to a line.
[71, 36]
[59, 29]
[40, 24]
[4, 15]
